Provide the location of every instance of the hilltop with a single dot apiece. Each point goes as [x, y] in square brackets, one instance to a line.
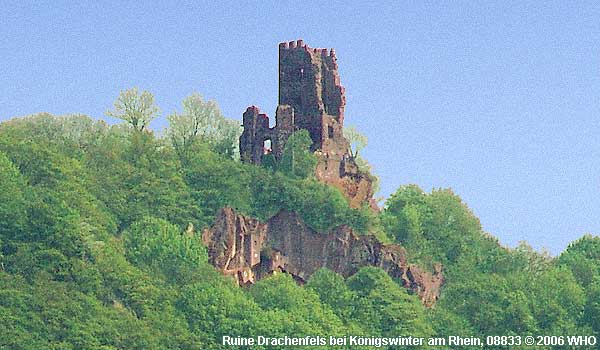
[102, 227]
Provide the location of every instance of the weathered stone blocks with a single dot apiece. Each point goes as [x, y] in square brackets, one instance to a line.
[312, 98]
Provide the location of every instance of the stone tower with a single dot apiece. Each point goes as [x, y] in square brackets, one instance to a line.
[312, 98]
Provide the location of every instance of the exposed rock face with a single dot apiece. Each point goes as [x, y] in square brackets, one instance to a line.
[234, 243]
[249, 250]
[312, 98]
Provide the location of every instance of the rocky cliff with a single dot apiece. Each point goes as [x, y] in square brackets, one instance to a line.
[248, 249]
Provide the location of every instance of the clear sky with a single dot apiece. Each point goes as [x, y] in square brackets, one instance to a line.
[498, 100]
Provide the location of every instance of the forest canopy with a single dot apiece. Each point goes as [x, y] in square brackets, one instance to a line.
[100, 247]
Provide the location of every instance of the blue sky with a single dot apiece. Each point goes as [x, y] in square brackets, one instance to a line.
[500, 102]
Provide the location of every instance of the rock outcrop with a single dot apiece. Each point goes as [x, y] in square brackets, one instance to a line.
[248, 250]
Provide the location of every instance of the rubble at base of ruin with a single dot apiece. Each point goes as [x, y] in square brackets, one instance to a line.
[311, 98]
[248, 250]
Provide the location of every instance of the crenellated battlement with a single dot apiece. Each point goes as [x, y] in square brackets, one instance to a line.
[300, 45]
[310, 83]
[290, 46]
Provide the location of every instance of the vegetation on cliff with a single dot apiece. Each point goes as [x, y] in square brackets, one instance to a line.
[100, 248]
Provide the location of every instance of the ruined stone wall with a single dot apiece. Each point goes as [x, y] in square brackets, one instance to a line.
[309, 82]
[256, 131]
[311, 97]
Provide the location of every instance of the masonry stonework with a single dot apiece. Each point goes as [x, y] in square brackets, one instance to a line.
[311, 98]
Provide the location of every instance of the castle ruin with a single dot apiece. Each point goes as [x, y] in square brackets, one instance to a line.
[311, 98]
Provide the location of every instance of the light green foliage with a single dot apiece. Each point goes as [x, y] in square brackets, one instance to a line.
[93, 253]
[525, 258]
[297, 160]
[135, 108]
[50, 315]
[322, 207]
[483, 301]
[446, 323]
[97, 211]
[216, 309]
[281, 293]
[403, 212]
[157, 243]
[357, 140]
[202, 121]
[439, 227]
[583, 258]
[496, 290]
[333, 291]
[385, 308]
[559, 308]
[137, 176]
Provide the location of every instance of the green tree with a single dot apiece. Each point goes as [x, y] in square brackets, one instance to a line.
[592, 307]
[357, 140]
[93, 254]
[12, 200]
[385, 308]
[214, 308]
[583, 258]
[557, 310]
[281, 292]
[202, 121]
[446, 323]
[137, 109]
[297, 160]
[333, 291]
[483, 302]
[157, 243]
